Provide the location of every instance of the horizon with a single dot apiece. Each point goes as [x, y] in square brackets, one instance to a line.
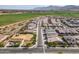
[25, 7]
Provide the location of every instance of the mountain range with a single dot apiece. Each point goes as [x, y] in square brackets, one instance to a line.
[59, 8]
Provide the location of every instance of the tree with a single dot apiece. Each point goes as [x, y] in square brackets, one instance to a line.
[29, 44]
[54, 44]
[1, 44]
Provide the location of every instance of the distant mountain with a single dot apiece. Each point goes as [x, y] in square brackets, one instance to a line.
[48, 8]
[59, 8]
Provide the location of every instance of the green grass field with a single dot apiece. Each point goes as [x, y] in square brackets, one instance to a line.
[11, 18]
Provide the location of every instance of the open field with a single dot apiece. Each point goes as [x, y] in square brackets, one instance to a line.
[11, 18]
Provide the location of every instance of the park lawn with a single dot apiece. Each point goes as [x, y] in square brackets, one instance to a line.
[12, 18]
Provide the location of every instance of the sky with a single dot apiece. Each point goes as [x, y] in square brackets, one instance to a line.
[34, 3]
[39, 2]
[21, 7]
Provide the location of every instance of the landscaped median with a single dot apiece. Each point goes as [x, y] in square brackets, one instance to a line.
[56, 44]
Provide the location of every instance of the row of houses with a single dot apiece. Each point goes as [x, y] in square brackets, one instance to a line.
[51, 21]
[51, 35]
[67, 31]
[71, 23]
[71, 40]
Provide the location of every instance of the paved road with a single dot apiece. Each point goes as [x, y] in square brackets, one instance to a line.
[39, 38]
[39, 50]
[13, 50]
[55, 50]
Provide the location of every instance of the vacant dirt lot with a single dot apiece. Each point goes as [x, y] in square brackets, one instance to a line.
[23, 36]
